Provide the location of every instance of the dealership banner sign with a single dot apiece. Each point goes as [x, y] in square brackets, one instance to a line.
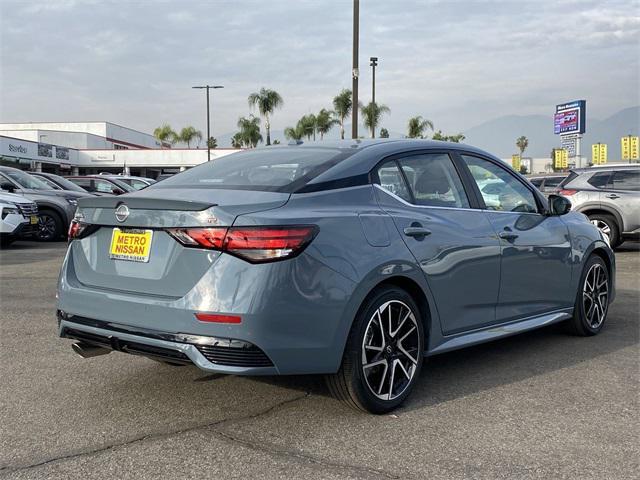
[570, 118]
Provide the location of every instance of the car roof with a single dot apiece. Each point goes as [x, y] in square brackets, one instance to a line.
[367, 153]
[615, 166]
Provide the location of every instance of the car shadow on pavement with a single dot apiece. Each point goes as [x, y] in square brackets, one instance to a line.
[460, 373]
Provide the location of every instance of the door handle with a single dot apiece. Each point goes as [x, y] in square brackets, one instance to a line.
[612, 196]
[416, 232]
[508, 235]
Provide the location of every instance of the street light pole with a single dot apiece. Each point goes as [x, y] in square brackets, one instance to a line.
[207, 87]
[374, 63]
[354, 72]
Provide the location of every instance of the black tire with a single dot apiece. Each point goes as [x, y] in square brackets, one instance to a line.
[350, 384]
[6, 241]
[50, 226]
[584, 310]
[605, 222]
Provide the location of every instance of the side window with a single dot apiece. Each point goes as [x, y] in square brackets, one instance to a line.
[391, 180]
[537, 182]
[434, 181]
[137, 184]
[103, 186]
[552, 182]
[84, 183]
[626, 180]
[599, 180]
[500, 190]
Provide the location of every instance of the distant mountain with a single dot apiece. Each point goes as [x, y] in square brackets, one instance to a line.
[498, 136]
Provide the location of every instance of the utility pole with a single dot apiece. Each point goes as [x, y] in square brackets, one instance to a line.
[207, 87]
[354, 71]
[374, 63]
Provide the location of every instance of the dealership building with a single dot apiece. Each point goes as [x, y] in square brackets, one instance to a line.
[94, 147]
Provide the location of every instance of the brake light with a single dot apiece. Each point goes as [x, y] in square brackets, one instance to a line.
[75, 229]
[567, 192]
[254, 244]
[263, 244]
[200, 237]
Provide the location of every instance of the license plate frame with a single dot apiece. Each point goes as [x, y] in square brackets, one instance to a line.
[131, 244]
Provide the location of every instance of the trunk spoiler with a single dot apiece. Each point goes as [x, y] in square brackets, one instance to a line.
[143, 203]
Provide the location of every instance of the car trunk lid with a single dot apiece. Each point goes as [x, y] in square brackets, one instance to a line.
[169, 269]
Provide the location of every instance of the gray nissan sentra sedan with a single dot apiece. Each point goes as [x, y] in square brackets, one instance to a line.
[354, 259]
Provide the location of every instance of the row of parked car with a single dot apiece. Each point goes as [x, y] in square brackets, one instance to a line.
[41, 205]
[609, 195]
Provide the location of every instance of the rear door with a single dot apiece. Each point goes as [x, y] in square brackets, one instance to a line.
[453, 243]
[535, 248]
[623, 195]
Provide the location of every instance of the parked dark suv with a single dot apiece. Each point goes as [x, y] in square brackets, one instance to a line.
[610, 196]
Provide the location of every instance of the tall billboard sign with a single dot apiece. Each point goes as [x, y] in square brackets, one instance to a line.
[570, 122]
[570, 118]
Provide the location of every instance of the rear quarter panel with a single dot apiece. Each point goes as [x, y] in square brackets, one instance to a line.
[358, 241]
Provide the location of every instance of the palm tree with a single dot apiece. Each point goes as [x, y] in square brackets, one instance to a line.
[457, 138]
[249, 131]
[294, 133]
[307, 125]
[189, 134]
[325, 122]
[371, 115]
[417, 126]
[266, 101]
[342, 105]
[165, 134]
[522, 143]
[212, 142]
[236, 140]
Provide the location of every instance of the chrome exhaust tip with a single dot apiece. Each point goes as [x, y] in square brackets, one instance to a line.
[88, 351]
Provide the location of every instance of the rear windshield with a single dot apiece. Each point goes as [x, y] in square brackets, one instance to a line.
[283, 169]
[571, 176]
[66, 184]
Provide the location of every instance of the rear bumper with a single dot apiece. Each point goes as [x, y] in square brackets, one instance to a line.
[212, 354]
[298, 312]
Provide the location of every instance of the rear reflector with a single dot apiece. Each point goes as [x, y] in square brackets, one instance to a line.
[211, 317]
[567, 192]
[254, 244]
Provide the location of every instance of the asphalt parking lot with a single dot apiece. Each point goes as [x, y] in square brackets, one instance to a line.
[540, 405]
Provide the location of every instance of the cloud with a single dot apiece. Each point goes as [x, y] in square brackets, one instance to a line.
[457, 63]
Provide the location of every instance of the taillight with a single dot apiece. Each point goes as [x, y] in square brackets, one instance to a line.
[75, 229]
[263, 244]
[254, 244]
[200, 237]
[567, 192]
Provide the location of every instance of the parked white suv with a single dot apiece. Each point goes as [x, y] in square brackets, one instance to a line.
[18, 218]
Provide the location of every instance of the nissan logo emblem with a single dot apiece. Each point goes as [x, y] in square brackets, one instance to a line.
[122, 213]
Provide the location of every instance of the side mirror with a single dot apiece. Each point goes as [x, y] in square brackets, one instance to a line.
[559, 205]
[117, 191]
[8, 186]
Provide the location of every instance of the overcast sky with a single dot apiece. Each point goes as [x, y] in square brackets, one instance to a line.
[457, 63]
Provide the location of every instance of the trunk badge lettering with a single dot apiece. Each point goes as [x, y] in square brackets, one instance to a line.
[122, 213]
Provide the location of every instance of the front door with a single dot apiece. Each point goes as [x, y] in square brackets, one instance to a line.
[536, 248]
[453, 243]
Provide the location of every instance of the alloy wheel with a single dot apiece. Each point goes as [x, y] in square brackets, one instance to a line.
[390, 350]
[46, 227]
[595, 295]
[603, 227]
